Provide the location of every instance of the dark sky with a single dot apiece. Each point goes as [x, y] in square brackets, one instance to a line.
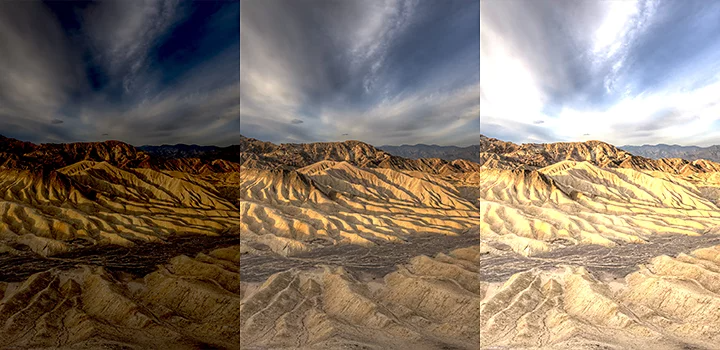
[384, 72]
[144, 72]
[625, 72]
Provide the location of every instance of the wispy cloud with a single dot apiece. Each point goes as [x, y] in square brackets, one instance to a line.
[123, 32]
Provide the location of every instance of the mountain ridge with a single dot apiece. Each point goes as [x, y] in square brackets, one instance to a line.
[449, 153]
[18, 154]
[711, 153]
[260, 154]
[495, 153]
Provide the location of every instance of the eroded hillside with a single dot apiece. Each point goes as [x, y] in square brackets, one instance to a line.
[347, 246]
[105, 245]
[585, 246]
[342, 245]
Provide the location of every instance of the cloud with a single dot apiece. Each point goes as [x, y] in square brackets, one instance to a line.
[297, 121]
[388, 72]
[37, 66]
[149, 72]
[627, 71]
[515, 131]
[123, 32]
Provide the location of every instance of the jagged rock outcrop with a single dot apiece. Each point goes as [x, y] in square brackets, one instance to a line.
[16, 154]
[340, 203]
[449, 153]
[101, 204]
[584, 204]
[567, 230]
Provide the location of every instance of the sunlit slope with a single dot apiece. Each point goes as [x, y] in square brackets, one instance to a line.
[100, 203]
[336, 202]
[578, 202]
[670, 303]
[429, 303]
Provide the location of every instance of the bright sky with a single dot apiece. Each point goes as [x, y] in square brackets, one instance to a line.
[624, 72]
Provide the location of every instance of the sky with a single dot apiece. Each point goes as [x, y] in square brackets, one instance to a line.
[143, 72]
[384, 72]
[624, 72]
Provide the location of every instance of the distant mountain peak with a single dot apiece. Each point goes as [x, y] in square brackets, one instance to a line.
[711, 153]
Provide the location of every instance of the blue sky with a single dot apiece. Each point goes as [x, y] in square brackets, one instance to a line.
[384, 72]
[144, 72]
[625, 72]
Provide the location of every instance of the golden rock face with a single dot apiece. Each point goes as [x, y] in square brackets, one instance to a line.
[98, 203]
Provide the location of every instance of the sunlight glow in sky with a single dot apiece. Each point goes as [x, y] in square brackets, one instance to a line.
[625, 72]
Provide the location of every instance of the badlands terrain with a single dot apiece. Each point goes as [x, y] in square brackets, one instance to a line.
[253, 246]
[586, 246]
[346, 246]
[582, 246]
[105, 246]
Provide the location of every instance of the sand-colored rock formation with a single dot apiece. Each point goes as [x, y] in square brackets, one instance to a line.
[291, 211]
[259, 154]
[188, 303]
[98, 203]
[580, 203]
[670, 303]
[429, 303]
[569, 231]
[110, 246]
[347, 246]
